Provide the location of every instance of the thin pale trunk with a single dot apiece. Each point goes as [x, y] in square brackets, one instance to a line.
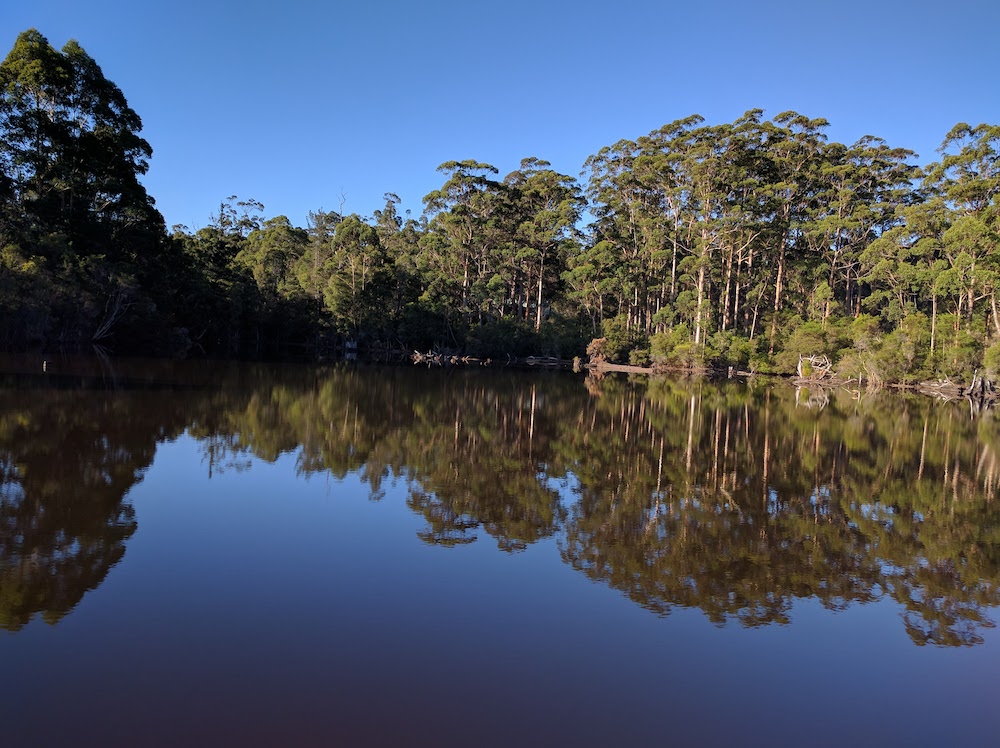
[701, 297]
[778, 283]
[736, 300]
[923, 451]
[756, 309]
[933, 320]
[538, 311]
[729, 280]
[465, 279]
[690, 441]
[673, 272]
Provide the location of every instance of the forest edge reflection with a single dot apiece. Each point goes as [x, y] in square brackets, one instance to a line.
[723, 497]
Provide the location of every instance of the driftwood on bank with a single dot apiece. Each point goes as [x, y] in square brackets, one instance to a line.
[604, 367]
[814, 373]
[433, 358]
[980, 390]
[544, 362]
[814, 368]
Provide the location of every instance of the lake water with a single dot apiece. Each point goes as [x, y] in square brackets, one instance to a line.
[235, 554]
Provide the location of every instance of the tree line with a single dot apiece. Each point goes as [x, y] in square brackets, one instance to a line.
[745, 244]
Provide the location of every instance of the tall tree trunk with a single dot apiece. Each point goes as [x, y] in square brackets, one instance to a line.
[996, 316]
[933, 319]
[777, 293]
[729, 280]
[701, 297]
[673, 271]
[538, 311]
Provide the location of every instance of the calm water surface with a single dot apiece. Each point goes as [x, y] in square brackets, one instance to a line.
[230, 554]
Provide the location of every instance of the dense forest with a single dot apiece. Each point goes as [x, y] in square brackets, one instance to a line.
[745, 244]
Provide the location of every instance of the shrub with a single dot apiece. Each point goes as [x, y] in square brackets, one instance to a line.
[639, 357]
[807, 339]
[662, 344]
[991, 361]
[903, 352]
[621, 341]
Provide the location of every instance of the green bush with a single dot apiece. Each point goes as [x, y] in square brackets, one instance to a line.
[991, 361]
[621, 341]
[903, 352]
[866, 333]
[562, 337]
[807, 339]
[662, 344]
[639, 357]
[726, 348]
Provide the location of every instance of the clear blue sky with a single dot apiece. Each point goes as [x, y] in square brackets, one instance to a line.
[294, 102]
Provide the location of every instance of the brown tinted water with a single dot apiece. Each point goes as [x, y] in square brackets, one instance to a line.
[235, 554]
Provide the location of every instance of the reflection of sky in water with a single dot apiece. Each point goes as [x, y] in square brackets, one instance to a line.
[322, 608]
[266, 601]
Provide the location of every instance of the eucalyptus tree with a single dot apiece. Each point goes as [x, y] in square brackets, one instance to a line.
[742, 205]
[356, 278]
[944, 248]
[321, 227]
[387, 220]
[795, 145]
[36, 83]
[72, 156]
[72, 142]
[624, 191]
[400, 238]
[967, 182]
[270, 253]
[701, 155]
[723, 176]
[866, 186]
[457, 248]
[547, 209]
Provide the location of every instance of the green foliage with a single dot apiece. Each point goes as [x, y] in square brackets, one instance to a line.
[961, 350]
[728, 348]
[639, 357]
[991, 362]
[562, 336]
[621, 340]
[675, 349]
[806, 339]
[904, 351]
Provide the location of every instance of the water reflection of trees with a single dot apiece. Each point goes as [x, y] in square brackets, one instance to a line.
[73, 443]
[729, 499]
[465, 445]
[737, 502]
[725, 498]
[66, 463]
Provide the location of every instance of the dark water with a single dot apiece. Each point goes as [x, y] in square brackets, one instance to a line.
[208, 554]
